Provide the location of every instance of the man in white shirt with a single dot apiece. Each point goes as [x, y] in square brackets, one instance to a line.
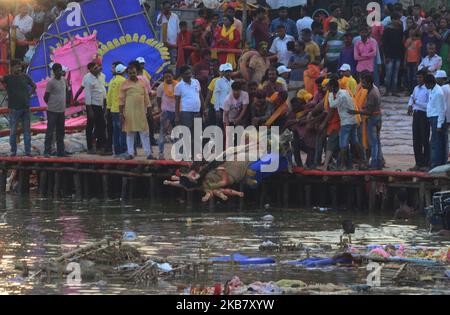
[432, 62]
[441, 78]
[304, 22]
[170, 27]
[189, 104]
[417, 107]
[94, 98]
[279, 45]
[436, 108]
[221, 90]
[23, 24]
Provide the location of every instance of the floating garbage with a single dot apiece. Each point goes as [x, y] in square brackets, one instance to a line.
[314, 262]
[165, 267]
[129, 236]
[447, 273]
[243, 260]
[189, 221]
[129, 266]
[268, 217]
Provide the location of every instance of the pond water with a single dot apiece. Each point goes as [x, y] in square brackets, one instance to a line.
[34, 229]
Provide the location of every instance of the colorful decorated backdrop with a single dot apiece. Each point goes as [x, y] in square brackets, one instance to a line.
[121, 28]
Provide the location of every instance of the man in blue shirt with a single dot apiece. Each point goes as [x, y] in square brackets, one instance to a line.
[289, 24]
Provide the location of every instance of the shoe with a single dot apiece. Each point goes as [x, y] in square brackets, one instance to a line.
[28, 154]
[129, 157]
[67, 153]
[62, 155]
[153, 141]
[46, 155]
[425, 169]
[150, 157]
[161, 156]
[92, 152]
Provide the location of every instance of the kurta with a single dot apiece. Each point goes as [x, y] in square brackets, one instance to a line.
[134, 97]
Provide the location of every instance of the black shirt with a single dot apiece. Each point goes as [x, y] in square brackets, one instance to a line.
[393, 43]
[17, 87]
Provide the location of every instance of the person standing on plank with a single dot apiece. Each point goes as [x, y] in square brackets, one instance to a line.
[56, 99]
[95, 95]
[17, 87]
[134, 106]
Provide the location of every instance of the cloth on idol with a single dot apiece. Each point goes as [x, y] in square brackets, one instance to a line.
[233, 38]
[310, 75]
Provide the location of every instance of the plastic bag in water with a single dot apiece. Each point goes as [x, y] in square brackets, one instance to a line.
[129, 236]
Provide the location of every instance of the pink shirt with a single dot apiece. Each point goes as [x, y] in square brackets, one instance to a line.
[167, 102]
[377, 33]
[148, 86]
[365, 54]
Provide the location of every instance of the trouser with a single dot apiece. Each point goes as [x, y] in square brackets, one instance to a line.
[373, 127]
[392, 69]
[166, 121]
[348, 133]
[321, 144]
[96, 127]
[211, 116]
[109, 131]
[421, 138]
[187, 120]
[411, 71]
[119, 138]
[151, 128]
[55, 122]
[438, 143]
[22, 116]
[145, 140]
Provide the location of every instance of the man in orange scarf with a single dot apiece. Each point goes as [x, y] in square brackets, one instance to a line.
[165, 98]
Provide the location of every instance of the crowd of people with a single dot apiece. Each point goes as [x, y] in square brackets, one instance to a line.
[319, 77]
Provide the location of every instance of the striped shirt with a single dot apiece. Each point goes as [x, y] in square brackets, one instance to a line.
[335, 44]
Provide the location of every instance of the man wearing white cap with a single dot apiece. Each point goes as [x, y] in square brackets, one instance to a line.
[441, 79]
[221, 90]
[119, 138]
[347, 81]
[283, 76]
[141, 60]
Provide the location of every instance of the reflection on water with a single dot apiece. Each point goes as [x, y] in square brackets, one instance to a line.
[34, 229]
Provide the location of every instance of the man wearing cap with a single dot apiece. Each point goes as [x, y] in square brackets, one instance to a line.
[283, 76]
[347, 82]
[441, 79]
[119, 140]
[417, 107]
[141, 60]
[279, 45]
[56, 98]
[221, 91]
[436, 110]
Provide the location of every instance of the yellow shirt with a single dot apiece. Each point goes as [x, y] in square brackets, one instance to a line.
[342, 24]
[211, 86]
[313, 50]
[112, 98]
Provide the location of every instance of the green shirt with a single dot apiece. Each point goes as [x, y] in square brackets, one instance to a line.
[17, 87]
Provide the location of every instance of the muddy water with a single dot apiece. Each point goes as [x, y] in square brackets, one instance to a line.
[34, 229]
